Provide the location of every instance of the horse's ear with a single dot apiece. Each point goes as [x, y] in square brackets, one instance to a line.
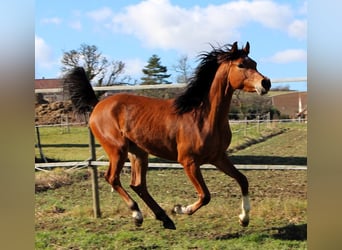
[246, 48]
[234, 47]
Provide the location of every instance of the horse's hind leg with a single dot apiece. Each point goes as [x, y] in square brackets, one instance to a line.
[225, 165]
[139, 162]
[117, 159]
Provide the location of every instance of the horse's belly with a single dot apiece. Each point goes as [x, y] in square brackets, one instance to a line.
[161, 147]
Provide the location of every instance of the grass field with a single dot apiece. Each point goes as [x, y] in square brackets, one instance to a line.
[278, 216]
[63, 216]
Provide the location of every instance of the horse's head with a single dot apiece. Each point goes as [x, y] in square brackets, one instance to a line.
[243, 73]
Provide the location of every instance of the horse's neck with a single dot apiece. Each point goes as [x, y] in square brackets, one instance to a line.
[220, 97]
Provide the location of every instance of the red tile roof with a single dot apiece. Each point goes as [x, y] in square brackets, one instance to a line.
[289, 103]
[47, 83]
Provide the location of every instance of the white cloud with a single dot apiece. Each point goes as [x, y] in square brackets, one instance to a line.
[288, 56]
[298, 29]
[133, 67]
[52, 20]
[43, 53]
[76, 25]
[100, 14]
[160, 24]
[304, 8]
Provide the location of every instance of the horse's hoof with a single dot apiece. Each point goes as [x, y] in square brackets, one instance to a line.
[244, 223]
[138, 223]
[138, 218]
[168, 224]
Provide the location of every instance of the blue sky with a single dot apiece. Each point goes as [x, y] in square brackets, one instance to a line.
[132, 31]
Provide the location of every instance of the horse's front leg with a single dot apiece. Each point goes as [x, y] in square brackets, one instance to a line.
[225, 165]
[194, 173]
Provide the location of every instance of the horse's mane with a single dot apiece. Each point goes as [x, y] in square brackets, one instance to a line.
[199, 85]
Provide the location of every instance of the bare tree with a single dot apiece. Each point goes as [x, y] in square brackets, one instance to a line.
[183, 68]
[88, 57]
[94, 63]
[116, 69]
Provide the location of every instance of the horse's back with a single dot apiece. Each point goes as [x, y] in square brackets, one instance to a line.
[132, 106]
[150, 123]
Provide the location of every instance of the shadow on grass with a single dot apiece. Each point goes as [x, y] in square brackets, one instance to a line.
[260, 160]
[288, 232]
[268, 160]
[291, 232]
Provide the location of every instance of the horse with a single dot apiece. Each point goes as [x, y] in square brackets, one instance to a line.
[192, 129]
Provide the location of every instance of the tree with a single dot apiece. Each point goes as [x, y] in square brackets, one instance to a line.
[154, 72]
[94, 63]
[249, 105]
[183, 68]
[115, 69]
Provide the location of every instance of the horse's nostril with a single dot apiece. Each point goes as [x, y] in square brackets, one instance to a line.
[266, 83]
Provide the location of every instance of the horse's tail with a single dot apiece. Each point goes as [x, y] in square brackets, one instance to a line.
[77, 85]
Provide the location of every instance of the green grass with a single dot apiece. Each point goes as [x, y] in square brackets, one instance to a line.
[61, 144]
[278, 217]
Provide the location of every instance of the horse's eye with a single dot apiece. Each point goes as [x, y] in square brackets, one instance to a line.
[240, 65]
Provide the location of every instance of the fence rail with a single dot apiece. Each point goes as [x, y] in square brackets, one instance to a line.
[81, 164]
[159, 86]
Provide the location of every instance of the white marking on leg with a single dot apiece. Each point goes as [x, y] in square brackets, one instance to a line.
[244, 216]
[187, 209]
[178, 209]
[137, 215]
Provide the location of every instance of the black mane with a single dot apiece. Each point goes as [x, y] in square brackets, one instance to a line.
[199, 85]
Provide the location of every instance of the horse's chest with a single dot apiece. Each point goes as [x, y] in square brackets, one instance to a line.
[211, 143]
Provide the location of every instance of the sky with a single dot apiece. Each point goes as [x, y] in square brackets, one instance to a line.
[132, 31]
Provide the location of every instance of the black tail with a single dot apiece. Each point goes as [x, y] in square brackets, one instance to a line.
[77, 86]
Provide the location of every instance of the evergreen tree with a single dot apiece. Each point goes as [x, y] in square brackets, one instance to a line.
[154, 72]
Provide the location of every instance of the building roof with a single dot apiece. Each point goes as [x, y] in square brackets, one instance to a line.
[291, 103]
[48, 83]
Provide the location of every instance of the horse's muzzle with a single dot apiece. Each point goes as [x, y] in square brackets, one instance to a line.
[266, 83]
[265, 86]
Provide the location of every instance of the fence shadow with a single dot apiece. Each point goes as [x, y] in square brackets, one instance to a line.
[251, 159]
[268, 160]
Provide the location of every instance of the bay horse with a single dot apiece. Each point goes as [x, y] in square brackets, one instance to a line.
[191, 129]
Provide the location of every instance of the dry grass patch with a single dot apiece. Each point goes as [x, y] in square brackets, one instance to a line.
[52, 179]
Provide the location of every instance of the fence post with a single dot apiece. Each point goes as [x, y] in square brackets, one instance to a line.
[94, 176]
[268, 120]
[246, 124]
[67, 123]
[258, 124]
[39, 145]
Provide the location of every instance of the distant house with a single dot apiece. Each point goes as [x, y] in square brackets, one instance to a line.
[292, 104]
[52, 84]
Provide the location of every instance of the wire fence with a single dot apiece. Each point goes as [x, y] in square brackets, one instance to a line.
[56, 144]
